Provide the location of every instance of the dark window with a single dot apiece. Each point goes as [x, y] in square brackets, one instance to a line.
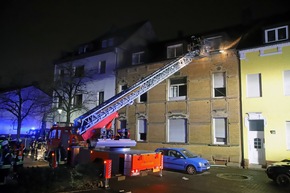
[102, 67]
[80, 70]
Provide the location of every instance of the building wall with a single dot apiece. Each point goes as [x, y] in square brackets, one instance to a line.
[199, 108]
[273, 105]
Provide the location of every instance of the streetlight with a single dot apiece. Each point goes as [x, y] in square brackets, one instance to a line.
[59, 113]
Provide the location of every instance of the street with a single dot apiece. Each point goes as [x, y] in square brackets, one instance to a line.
[217, 180]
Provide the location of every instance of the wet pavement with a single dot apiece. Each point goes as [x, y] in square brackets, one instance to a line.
[217, 180]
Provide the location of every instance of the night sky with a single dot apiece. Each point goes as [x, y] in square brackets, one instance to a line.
[34, 33]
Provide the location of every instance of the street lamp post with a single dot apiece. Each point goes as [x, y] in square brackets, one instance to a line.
[59, 113]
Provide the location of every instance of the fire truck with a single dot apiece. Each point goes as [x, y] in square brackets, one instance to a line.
[90, 138]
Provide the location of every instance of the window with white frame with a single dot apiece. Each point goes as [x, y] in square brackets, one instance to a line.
[138, 58]
[276, 34]
[142, 130]
[254, 85]
[288, 135]
[219, 84]
[178, 89]
[177, 130]
[220, 131]
[287, 82]
[100, 97]
[174, 51]
[102, 67]
[78, 100]
[142, 98]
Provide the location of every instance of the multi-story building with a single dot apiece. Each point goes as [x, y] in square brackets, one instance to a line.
[197, 108]
[94, 66]
[265, 91]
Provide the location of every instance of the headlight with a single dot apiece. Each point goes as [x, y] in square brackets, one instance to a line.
[200, 164]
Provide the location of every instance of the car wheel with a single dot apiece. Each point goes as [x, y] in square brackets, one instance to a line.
[191, 170]
[282, 180]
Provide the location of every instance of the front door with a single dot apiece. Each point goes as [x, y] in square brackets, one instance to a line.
[256, 142]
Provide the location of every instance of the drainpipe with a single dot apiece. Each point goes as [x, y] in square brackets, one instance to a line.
[241, 114]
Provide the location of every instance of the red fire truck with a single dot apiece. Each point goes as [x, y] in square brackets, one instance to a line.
[90, 139]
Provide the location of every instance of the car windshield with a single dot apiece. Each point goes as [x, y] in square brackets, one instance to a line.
[188, 154]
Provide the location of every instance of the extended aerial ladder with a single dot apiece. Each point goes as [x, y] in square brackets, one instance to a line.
[96, 117]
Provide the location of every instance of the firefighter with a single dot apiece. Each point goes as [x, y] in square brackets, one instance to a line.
[18, 155]
[5, 160]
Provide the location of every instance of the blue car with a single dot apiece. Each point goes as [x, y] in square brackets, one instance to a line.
[183, 159]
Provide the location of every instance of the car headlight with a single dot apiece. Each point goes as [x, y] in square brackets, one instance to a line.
[200, 164]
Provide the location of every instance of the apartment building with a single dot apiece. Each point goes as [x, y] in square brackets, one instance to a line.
[197, 108]
[265, 90]
[91, 69]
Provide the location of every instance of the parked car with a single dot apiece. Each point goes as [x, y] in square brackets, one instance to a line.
[280, 172]
[183, 159]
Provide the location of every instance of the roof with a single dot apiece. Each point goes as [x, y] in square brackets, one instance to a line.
[254, 37]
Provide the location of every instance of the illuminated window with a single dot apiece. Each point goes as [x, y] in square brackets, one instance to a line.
[219, 85]
[142, 129]
[174, 51]
[102, 67]
[287, 82]
[138, 58]
[178, 89]
[254, 87]
[177, 130]
[276, 34]
[220, 130]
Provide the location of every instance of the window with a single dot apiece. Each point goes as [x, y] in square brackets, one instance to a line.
[213, 43]
[256, 125]
[219, 86]
[143, 98]
[107, 43]
[276, 34]
[174, 51]
[177, 130]
[102, 67]
[288, 134]
[254, 85]
[142, 129]
[287, 82]
[78, 100]
[83, 49]
[123, 87]
[60, 102]
[123, 123]
[100, 97]
[220, 131]
[61, 73]
[137, 58]
[178, 89]
[257, 143]
[80, 71]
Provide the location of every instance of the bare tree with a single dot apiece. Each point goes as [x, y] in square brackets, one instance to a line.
[69, 89]
[24, 102]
